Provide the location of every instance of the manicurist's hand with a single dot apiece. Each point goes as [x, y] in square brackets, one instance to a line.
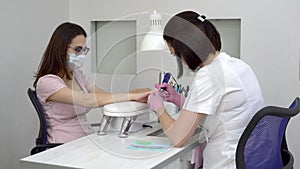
[170, 94]
[155, 101]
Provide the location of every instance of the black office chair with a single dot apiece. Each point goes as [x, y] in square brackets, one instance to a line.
[41, 140]
[263, 143]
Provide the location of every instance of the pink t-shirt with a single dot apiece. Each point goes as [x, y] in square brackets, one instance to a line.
[65, 122]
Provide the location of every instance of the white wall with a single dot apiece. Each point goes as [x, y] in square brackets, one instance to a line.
[25, 29]
[270, 42]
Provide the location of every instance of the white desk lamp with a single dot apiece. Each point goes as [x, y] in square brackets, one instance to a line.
[153, 39]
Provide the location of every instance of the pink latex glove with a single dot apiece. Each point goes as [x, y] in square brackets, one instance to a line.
[199, 155]
[155, 101]
[171, 95]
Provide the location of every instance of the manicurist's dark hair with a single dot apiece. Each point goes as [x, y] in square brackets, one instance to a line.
[193, 38]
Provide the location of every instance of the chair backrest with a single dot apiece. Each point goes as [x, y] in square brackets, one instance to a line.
[263, 140]
[42, 137]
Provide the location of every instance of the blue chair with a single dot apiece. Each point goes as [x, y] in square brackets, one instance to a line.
[41, 141]
[263, 143]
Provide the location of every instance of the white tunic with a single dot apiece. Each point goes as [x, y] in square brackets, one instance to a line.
[228, 92]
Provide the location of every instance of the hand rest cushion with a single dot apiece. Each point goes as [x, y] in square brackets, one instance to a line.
[121, 109]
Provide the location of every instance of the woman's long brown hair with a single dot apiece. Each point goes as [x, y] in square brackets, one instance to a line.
[54, 60]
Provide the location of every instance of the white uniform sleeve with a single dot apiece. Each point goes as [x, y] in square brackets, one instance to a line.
[205, 93]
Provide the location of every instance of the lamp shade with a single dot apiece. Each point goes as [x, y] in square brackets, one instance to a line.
[153, 40]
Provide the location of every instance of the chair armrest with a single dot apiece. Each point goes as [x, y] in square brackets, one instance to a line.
[42, 147]
[288, 159]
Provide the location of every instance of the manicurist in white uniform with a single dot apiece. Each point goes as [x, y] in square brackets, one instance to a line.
[224, 95]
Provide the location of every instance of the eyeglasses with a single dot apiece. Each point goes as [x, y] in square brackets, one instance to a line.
[79, 50]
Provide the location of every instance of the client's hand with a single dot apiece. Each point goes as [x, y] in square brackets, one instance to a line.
[171, 95]
[140, 94]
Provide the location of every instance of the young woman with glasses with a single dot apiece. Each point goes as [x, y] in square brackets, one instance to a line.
[65, 93]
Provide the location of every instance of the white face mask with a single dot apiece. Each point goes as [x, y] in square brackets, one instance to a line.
[76, 62]
[187, 69]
